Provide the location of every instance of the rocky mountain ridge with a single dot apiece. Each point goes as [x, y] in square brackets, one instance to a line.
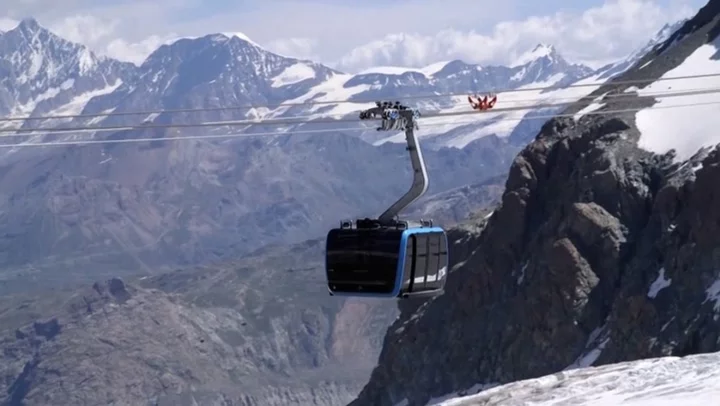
[600, 252]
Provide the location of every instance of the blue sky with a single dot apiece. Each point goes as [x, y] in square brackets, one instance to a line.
[353, 34]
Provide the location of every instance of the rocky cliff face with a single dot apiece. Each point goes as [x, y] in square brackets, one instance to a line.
[599, 252]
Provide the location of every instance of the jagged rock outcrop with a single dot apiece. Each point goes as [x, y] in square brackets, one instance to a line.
[599, 252]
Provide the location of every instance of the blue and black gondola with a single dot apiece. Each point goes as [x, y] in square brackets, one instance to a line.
[387, 262]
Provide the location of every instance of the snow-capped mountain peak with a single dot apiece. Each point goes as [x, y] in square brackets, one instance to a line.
[229, 54]
[43, 52]
[545, 64]
[47, 71]
[29, 25]
[213, 70]
[541, 51]
[243, 37]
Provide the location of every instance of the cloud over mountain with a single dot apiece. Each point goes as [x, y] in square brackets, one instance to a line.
[594, 37]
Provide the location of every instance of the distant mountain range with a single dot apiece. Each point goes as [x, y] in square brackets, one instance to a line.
[125, 207]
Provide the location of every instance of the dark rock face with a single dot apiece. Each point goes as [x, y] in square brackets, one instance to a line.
[599, 252]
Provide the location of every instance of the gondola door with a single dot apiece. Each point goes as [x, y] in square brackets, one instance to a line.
[421, 261]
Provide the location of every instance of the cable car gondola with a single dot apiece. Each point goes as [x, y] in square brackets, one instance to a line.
[387, 257]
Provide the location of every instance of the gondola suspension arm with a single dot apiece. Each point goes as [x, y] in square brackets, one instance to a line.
[398, 117]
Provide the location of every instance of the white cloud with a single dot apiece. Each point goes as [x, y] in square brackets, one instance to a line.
[85, 29]
[595, 36]
[136, 52]
[303, 48]
[7, 24]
